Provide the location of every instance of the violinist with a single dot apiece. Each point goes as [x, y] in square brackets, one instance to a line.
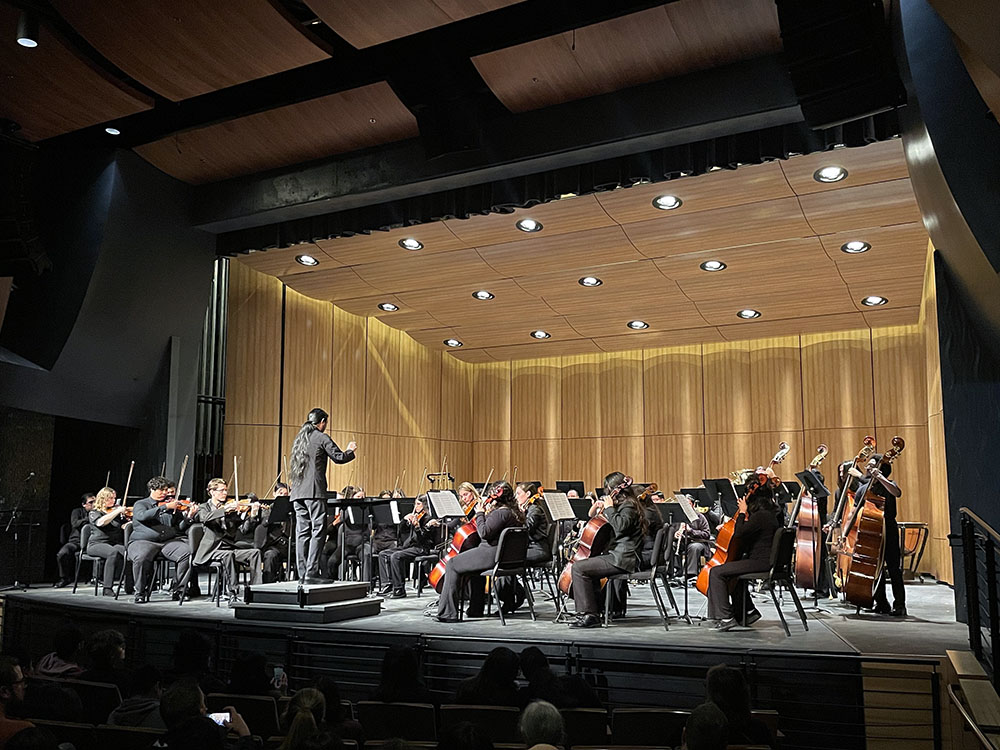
[107, 540]
[159, 525]
[464, 568]
[222, 521]
[66, 556]
[354, 533]
[416, 536]
[384, 537]
[537, 523]
[627, 517]
[757, 519]
[877, 481]
[271, 539]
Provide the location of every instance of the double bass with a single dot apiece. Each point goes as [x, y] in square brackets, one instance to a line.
[841, 541]
[595, 538]
[868, 553]
[466, 537]
[808, 532]
[725, 545]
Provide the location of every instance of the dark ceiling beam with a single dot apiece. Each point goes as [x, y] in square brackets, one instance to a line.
[738, 98]
[349, 68]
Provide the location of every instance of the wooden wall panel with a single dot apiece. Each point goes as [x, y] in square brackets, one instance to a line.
[765, 445]
[672, 392]
[253, 347]
[490, 455]
[308, 356]
[580, 393]
[776, 384]
[382, 369]
[625, 454]
[491, 402]
[460, 464]
[837, 380]
[536, 460]
[256, 446]
[900, 374]
[456, 400]
[910, 471]
[675, 461]
[621, 394]
[419, 388]
[535, 409]
[727, 388]
[348, 398]
[844, 445]
[581, 461]
[728, 453]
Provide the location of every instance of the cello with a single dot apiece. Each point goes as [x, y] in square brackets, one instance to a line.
[595, 538]
[868, 553]
[725, 545]
[808, 532]
[466, 537]
[841, 543]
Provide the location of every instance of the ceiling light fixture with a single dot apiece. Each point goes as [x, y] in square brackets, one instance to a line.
[748, 314]
[831, 173]
[667, 202]
[637, 325]
[306, 260]
[387, 307]
[315, 22]
[590, 281]
[483, 294]
[529, 225]
[408, 243]
[112, 131]
[712, 265]
[27, 30]
[540, 334]
[855, 246]
[453, 343]
[873, 300]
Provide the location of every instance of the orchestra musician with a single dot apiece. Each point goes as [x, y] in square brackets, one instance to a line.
[66, 556]
[272, 540]
[354, 536]
[465, 567]
[696, 537]
[877, 481]
[107, 539]
[627, 517]
[757, 519]
[159, 527]
[537, 523]
[415, 538]
[654, 522]
[310, 452]
[222, 521]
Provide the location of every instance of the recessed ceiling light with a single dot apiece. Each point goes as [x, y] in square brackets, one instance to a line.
[314, 22]
[590, 281]
[873, 300]
[112, 131]
[855, 246]
[667, 202]
[27, 30]
[748, 314]
[408, 243]
[540, 334]
[483, 294]
[388, 307]
[529, 225]
[637, 325]
[712, 265]
[306, 260]
[453, 343]
[831, 173]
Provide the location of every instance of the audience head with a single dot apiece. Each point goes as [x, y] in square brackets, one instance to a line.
[541, 724]
[305, 713]
[400, 673]
[183, 700]
[106, 649]
[145, 682]
[707, 729]
[65, 641]
[572, 494]
[331, 692]
[249, 675]
[12, 685]
[501, 667]
[330, 741]
[192, 653]
[464, 736]
[533, 662]
[726, 687]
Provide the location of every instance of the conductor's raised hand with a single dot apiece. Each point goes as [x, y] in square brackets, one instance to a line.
[352, 446]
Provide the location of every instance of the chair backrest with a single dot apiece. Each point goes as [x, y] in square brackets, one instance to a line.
[97, 698]
[585, 726]
[512, 549]
[498, 722]
[781, 553]
[414, 722]
[126, 738]
[127, 532]
[81, 736]
[85, 532]
[769, 718]
[259, 711]
[662, 727]
[656, 556]
[196, 532]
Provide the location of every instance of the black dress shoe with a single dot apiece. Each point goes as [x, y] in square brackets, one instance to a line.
[108, 592]
[898, 610]
[882, 608]
[587, 621]
[726, 625]
[398, 594]
[385, 591]
[474, 614]
[752, 617]
[61, 584]
[140, 599]
[441, 618]
[175, 596]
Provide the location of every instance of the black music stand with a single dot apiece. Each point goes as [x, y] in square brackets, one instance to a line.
[566, 486]
[723, 492]
[281, 512]
[812, 482]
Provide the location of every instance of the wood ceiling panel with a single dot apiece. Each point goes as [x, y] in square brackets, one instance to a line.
[381, 246]
[332, 284]
[876, 162]
[453, 304]
[563, 293]
[365, 23]
[281, 262]
[415, 320]
[278, 137]
[657, 339]
[556, 217]
[472, 355]
[368, 306]
[561, 251]
[878, 205]
[433, 338]
[902, 291]
[426, 271]
[804, 253]
[721, 227]
[777, 282]
[828, 297]
[50, 89]
[661, 42]
[813, 324]
[543, 349]
[899, 243]
[505, 332]
[888, 316]
[727, 187]
[190, 47]
[664, 314]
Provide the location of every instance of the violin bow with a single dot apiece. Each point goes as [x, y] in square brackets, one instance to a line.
[180, 480]
[274, 484]
[236, 477]
[128, 482]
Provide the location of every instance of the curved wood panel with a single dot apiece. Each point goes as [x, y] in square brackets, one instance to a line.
[331, 284]
[535, 408]
[426, 272]
[456, 401]
[490, 455]
[50, 90]
[672, 392]
[382, 373]
[626, 454]
[281, 262]
[876, 162]
[257, 448]
[621, 394]
[346, 121]
[837, 380]
[813, 324]
[555, 348]
[536, 460]
[556, 217]
[491, 401]
[878, 205]
[419, 399]
[308, 354]
[900, 375]
[657, 339]
[559, 251]
[727, 388]
[727, 453]
[580, 392]
[760, 259]
[776, 384]
[675, 461]
[379, 246]
[348, 396]
[190, 47]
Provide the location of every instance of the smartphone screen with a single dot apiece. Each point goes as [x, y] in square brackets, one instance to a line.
[221, 718]
[278, 672]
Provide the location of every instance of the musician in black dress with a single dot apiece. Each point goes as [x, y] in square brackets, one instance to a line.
[757, 518]
[628, 520]
[537, 523]
[878, 481]
[464, 568]
[107, 540]
[307, 471]
[415, 536]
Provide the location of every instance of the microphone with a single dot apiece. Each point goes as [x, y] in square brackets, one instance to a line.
[31, 475]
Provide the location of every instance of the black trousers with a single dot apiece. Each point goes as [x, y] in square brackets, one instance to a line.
[892, 568]
[463, 570]
[272, 559]
[143, 552]
[586, 587]
[66, 559]
[538, 554]
[722, 585]
[310, 527]
[392, 565]
[231, 559]
[114, 559]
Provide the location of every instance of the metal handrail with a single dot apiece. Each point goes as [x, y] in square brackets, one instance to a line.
[983, 739]
[989, 529]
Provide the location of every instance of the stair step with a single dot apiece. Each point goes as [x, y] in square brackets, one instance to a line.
[287, 592]
[316, 613]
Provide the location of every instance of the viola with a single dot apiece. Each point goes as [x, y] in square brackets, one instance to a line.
[808, 532]
[595, 538]
[466, 538]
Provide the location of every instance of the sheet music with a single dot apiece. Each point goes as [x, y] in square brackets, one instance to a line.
[394, 509]
[445, 504]
[558, 506]
[687, 505]
[351, 518]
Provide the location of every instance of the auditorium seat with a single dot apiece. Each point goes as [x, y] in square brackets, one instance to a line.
[80, 736]
[585, 726]
[661, 727]
[125, 738]
[260, 712]
[408, 721]
[498, 722]
[769, 719]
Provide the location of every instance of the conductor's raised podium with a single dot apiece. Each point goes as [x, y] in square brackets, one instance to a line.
[310, 603]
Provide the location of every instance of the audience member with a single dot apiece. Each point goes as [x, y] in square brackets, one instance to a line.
[338, 720]
[495, 684]
[33, 738]
[12, 685]
[464, 736]
[400, 682]
[61, 662]
[727, 688]
[141, 707]
[193, 660]
[330, 741]
[52, 701]
[106, 654]
[562, 691]
[706, 729]
[541, 726]
[249, 676]
[182, 708]
[305, 714]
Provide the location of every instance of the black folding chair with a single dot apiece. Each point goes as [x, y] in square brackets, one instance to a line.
[779, 574]
[96, 563]
[512, 549]
[657, 570]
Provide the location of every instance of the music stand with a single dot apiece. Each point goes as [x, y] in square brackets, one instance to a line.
[581, 508]
[723, 491]
[812, 482]
[566, 486]
[445, 505]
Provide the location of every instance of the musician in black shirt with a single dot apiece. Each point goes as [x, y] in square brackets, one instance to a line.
[66, 556]
[537, 523]
[892, 563]
[416, 536]
[159, 528]
[107, 540]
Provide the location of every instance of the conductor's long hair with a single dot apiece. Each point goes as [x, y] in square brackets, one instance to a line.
[300, 448]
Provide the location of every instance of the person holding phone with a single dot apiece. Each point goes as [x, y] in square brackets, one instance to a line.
[190, 725]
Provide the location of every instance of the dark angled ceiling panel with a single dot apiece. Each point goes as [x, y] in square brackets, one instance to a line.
[185, 48]
[50, 90]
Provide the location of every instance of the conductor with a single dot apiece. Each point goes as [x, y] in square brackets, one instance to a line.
[307, 471]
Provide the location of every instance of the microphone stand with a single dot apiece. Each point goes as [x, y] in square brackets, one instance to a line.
[13, 523]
